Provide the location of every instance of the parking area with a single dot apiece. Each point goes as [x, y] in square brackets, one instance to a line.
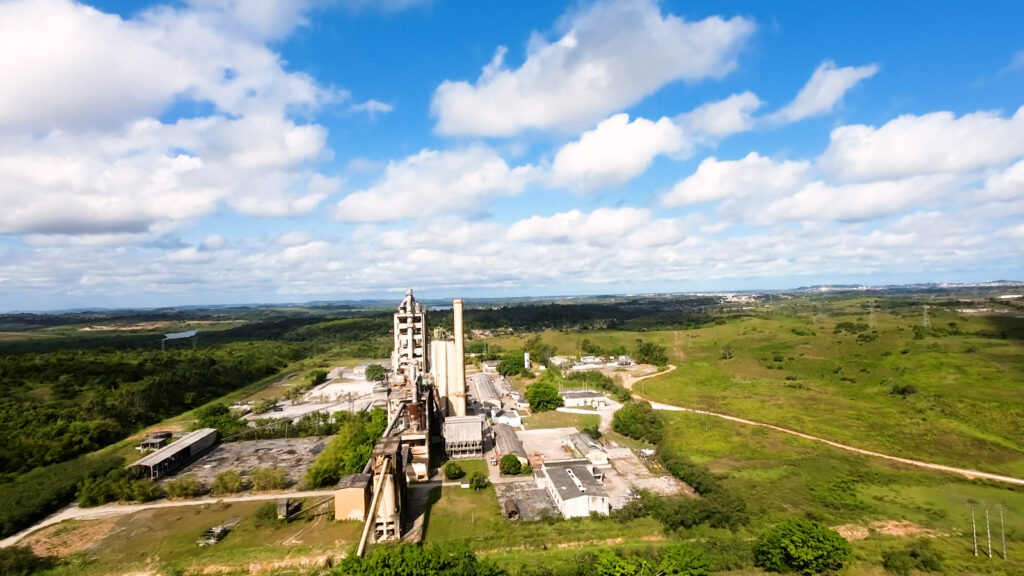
[294, 455]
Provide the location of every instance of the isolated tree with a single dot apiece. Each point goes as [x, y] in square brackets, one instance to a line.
[375, 372]
[543, 396]
[726, 352]
[803, 546]
[509, 465]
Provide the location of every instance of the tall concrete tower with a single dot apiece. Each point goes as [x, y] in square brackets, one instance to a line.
[459, 395]
[408, 358]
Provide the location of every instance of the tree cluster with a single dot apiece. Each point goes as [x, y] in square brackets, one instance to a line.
[638, 420]
[349, 450]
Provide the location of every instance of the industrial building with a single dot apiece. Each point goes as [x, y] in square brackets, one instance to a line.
[464, 436]
[510, 417]
[407, 358]
[507, 442]
[448, 366]
[154, 441]
[486, 394]
[578, 398]
[172, 457]
[589, 448]
[352, 497]
[575, 487]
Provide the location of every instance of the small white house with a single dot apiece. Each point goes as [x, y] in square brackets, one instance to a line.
[510, 417]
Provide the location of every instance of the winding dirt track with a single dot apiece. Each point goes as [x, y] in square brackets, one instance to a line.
[965, 472]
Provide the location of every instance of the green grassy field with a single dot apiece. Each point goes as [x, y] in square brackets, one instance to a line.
[793, 370]
[555, 419]
[164, 539]
[472, 517]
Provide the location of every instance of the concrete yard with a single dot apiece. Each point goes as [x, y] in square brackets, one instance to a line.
[546, 444]
[534, 503]
[294, 412]
[625, 475]
[294, 455]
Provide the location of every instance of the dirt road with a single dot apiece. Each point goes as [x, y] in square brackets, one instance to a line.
[965, 472]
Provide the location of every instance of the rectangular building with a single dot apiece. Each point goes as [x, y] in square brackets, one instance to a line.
[176, 455]
[578, 398]
[352, 497]
[575, 487]
[463, 436]
[507, 442]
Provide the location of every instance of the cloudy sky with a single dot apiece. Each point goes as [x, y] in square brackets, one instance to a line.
[225, 151]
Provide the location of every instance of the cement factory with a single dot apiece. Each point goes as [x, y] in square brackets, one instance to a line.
[432, 417]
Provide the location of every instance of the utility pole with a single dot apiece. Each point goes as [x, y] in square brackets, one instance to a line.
[1002, 530]
[988, 531]
[974, 530]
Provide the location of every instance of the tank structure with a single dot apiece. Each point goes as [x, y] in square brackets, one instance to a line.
[448, 366]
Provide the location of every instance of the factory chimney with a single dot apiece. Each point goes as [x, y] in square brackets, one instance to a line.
[460, 361]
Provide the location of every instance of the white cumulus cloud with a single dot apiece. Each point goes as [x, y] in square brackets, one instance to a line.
[724, 117]
[435, 182]
[823, 91]
[916, 145]
[610, 55]
[615, 152]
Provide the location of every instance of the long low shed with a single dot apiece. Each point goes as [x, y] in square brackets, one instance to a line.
[175, 455]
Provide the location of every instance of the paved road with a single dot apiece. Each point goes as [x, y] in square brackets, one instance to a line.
[73, 512]
[965, 472]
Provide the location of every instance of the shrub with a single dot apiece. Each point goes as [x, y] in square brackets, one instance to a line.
[685, 560]
[804, 546]
[902, 390]
[227, 482]
[918, 555]
[593, 431]
[269, 479]
[187, 486]
[412, 559]
[453, 471]
[266, 514]
[509, 465]
[375, 372]
[478, 481]
[22, 561]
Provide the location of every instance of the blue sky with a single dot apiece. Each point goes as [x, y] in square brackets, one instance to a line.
[227, 151]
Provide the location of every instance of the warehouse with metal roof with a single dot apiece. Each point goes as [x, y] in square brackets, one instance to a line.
[507, 442]
[174, 456]
[486, 394]
[463, 436]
